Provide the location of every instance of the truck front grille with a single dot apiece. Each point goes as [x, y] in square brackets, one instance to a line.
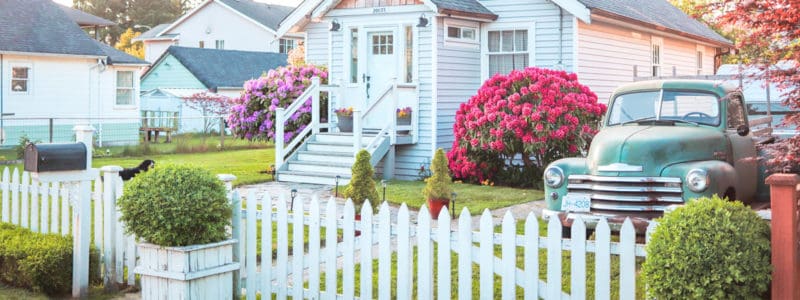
[645, 197]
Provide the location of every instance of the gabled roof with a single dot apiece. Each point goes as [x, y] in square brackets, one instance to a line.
[659, 13]
[85, 19]
[153, 33]
[223, 68]
[266, 15]
[42, 27]
[466, 8]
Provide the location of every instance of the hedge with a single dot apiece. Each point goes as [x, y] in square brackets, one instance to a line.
[39, 262]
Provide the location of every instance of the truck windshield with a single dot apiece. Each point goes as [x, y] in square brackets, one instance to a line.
[676, 106]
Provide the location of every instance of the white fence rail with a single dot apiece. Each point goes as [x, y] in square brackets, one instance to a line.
[326, 247]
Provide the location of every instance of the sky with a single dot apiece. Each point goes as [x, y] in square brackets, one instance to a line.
[285, 2]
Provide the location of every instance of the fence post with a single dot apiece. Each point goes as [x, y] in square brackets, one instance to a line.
[110, 173]
[236, 229]
[315, 105]
[82, 221]
[785, 272]
[279, 119]
[221, 132]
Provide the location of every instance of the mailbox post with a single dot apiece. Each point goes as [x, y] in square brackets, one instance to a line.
[70, 164]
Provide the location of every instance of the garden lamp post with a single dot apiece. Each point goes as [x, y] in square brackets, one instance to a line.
[453, 196]
[336, 193]
[294, 194]
[383, 184]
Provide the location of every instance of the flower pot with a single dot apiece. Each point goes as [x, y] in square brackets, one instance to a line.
[182, 272]
[345, 124]
[358, 219]
[404, 121]
[435, 206]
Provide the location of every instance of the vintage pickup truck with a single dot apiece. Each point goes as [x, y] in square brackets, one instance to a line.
[661, 143]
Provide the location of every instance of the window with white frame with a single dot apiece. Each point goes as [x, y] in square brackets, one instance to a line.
[286, 45]
[462, 33]
[125, 89]
[383, 44]
[354, 55]
[656, 47]
[409, 55]
[700, 51]
[220, 44]
[20, 79]
[507, 50]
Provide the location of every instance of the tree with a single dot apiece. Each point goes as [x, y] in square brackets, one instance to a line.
[124, 44]
[127, 13]
[771, 27]
[209, 105]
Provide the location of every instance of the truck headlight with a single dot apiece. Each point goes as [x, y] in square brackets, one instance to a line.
[697, 180]
[553, 177]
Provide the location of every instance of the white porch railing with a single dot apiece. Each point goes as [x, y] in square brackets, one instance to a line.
[299, 266]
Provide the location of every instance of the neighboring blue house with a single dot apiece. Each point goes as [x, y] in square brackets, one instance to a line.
[182, 72]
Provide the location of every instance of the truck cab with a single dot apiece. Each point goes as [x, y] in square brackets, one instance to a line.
[661, 143]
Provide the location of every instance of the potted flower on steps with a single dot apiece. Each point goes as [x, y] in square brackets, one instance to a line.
[404, 116]
[345, 116]
[437, 188]
[180, 214]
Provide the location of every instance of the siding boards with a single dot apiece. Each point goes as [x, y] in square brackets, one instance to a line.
[317, 43]
[170, 73]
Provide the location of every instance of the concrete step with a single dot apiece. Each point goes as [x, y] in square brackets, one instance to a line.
[324, 156]
[315, 178]
[320, 167]
[342, 138]
[339, 148]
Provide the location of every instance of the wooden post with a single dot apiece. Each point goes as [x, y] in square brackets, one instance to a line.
[236, 229]
[221, 132]
[279, 119]
[110, 173]
[315, 105]
[785, 272]
[82, 221]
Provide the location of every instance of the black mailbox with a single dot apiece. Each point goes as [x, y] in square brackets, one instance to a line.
[55, 157]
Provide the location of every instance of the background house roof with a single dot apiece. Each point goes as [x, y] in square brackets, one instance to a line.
[85, 19]
[656, 12]
[267, 14]
[40, 26]
[468, 7]
[154, 33]
[225, 68]
[117, 57]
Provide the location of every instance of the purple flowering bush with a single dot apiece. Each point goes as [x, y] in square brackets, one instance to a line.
[253, 113]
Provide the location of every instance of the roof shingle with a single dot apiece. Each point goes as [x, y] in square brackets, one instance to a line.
[470, 7]
[225, 68]
[267, 14]
[83, 18]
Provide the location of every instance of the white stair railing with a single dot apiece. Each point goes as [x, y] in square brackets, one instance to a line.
[281, 115]
[390, 128]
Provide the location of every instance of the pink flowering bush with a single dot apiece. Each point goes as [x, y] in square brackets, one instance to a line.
[253, 113]
[533, 115]
[783, 156]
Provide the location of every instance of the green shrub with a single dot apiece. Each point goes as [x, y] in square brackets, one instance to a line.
[362, 187]
[39, 262]
[709, 249]
[174, 205]
[438, 185]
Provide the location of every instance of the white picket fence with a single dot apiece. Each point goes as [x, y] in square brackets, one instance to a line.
[299, 273]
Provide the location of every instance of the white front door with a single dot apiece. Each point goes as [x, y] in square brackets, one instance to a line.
[381, 69]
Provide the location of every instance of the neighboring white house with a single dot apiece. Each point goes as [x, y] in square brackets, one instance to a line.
[50, 68]
[440, 52]
[223, 24]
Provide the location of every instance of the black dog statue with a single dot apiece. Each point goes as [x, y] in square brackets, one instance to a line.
[128, 173]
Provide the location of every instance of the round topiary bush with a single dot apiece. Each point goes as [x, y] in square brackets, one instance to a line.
[709, 249]
[175, 205]
[438, 185]
[535, 115]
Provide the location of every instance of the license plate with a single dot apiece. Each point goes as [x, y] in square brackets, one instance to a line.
[576, 203]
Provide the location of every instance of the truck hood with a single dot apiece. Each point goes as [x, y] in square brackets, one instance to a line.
[620, 150]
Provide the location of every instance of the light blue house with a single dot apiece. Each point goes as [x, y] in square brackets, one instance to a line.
[182, 72]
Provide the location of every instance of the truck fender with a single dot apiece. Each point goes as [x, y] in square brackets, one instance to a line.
[721, 176]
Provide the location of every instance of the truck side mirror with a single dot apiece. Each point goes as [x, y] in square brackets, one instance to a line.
[743, 130]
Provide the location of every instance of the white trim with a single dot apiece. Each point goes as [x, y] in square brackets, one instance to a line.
[530, 27]
[434, 81]
[656, 41]
[575, 8]
[322, 8]
[702, 51]
[401, 9]
[29, 79]
[204, 4]
[299, 13]
[347, 59]
[53, 54]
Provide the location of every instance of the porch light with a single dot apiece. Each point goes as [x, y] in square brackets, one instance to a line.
[335, 26]
[423, 21]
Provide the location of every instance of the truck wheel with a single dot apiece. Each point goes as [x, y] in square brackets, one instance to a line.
[730, 193]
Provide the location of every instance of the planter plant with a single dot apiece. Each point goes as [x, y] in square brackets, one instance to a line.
[180, 215]
[437, 188]
[362, 187]
[404, 116]
[345, 116]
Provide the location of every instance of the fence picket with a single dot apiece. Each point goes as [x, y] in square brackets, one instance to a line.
[403, 254]
[627, 261]
[297, 249]
[97, 200]
[54, 205]
[425, 253]
[384, 256]
[366, 251]
[266, 246]
[65, 212]
[578, 258]
[120, 228]
[486, 256]
[15, 197]
[602, 260]
[531, 278]
[130, 258]
[330, 249]
[554, 259]
[313, 248]
[6, 208]
[109, 231]
[509, 265]
[283, 248]
[24, 190]
[44, 188]
[250, 245]
[348, 251]
[465, 255]
[34, 192]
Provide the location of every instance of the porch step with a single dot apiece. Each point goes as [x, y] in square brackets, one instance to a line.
[345, 137]
[323, 156]
[331, 166]
[314, 178]
[332, 147]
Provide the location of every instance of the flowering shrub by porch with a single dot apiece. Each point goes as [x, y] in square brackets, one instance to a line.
[536, 115]
[253, 113]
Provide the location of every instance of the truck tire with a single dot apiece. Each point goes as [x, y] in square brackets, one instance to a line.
[730, 193]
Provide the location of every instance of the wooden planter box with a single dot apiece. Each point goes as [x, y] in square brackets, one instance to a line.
[189, 272]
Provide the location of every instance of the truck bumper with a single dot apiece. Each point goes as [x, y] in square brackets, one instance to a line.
[591, 220]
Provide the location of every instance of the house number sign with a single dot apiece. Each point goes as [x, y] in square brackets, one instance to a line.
[379, 10]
